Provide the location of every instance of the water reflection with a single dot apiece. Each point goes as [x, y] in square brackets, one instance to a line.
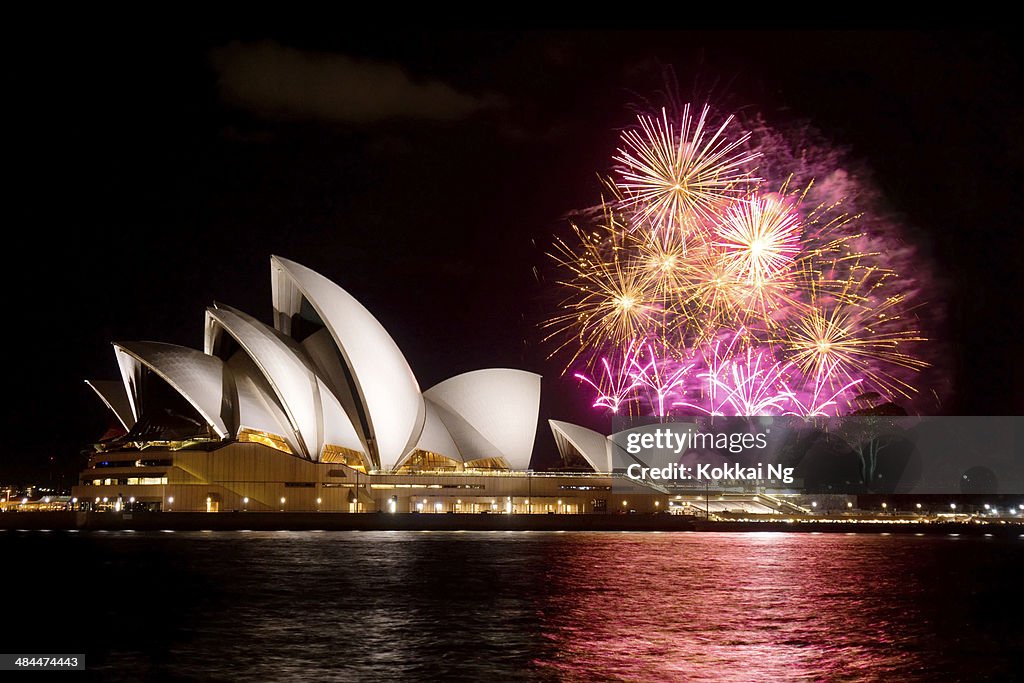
[534, 606]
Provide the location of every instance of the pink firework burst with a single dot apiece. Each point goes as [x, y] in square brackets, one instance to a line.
[662, 376]
[615, 383]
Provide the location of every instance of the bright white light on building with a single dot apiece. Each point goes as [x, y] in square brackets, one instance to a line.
[245, 501]
[132, 499]
[814, 504]
[625, 503]
[74, 500]
[952, 506]
[437, 507]
[391, 505]
[319, 500]
[849, 505]
[419, 506]
[170, 499]
[25, 500]
[105, 499]
[885, 505]
[987, 506]
[918, 506]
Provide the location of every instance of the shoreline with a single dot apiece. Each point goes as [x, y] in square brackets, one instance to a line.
[326, 521]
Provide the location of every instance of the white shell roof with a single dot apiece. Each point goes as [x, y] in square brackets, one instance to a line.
[338, 430]
[289, 376]
[114, 396]
[384, 382]
[202, 380]
[346, 385]
[435, 436]
[499, 404]
[258, 408]
[593, 446]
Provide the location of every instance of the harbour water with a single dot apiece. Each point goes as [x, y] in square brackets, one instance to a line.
[495, 606]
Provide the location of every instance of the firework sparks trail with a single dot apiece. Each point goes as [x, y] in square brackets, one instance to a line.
[660, 377]
[815, 405]
[614, 386]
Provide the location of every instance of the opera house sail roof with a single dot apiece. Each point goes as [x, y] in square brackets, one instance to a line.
[326, 383]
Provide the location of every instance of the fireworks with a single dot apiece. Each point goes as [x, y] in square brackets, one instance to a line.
[705, 289]
[676, 177]
[759, 238]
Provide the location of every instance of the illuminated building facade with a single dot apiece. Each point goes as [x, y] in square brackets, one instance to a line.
[321, 411]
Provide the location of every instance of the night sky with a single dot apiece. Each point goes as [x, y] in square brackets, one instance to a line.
[426, 172]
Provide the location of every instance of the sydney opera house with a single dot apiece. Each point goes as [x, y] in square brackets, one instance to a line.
[321, 411]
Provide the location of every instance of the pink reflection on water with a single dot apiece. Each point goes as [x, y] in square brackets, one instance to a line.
[761, 607]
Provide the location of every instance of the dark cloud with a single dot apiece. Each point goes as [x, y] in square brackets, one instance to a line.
[275, 80]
